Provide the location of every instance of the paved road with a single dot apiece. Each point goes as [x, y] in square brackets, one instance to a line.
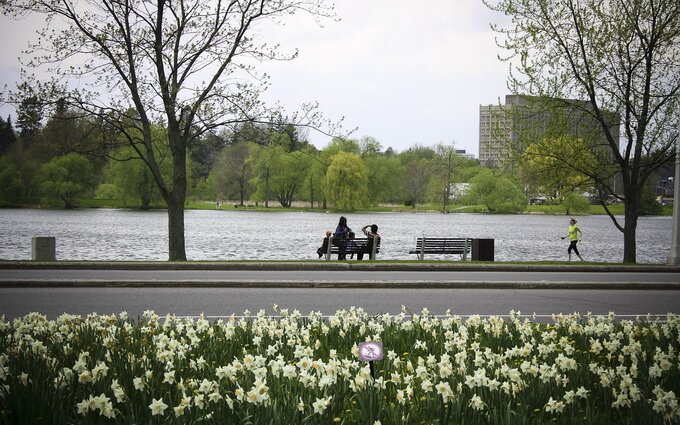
[216, 302]
[221, 290]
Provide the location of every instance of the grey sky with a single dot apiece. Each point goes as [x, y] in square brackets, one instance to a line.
[403, 72]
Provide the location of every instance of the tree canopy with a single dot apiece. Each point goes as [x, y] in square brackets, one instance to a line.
[347, 182]
[619, 59]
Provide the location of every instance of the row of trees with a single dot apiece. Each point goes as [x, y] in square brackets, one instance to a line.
[72, 156]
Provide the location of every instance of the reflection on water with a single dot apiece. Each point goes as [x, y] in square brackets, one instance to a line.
[104, 234]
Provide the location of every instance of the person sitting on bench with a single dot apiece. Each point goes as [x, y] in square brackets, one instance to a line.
[371, 232]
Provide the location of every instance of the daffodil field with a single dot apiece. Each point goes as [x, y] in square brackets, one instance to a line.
[292, 368]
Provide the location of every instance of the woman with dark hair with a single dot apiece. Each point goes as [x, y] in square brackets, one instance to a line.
[340, 237]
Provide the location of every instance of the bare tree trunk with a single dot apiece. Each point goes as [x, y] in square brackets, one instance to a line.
[177, 196]
[176, 246]
[630, 227]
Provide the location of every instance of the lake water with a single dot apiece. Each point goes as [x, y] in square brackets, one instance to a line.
[113, 234]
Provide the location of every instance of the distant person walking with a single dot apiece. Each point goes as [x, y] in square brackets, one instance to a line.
[574, 236]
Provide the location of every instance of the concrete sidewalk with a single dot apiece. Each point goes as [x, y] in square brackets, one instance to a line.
[322, 265]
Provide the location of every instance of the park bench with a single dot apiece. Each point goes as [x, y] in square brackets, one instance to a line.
[441, 246]
[353, 246]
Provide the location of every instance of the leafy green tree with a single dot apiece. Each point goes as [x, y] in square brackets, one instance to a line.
[444, 166]
[64, 178]
[369, 146]
[11, 186]
[316, 178]
[128, 171]
[575, 203]
[341, 144]
[621, 57]
[547, 166]
[232, 172]
[279, 173]
[497, 192]
[134, 181]
[314, 183]
[291, 172]
[66, 132]
[260, 160]
[7, 136]
[29, 114]
[179, 63]
[649, 204]
[417, 162]
[347, 182]
[204, 153]
[385, 176]
[107, 191]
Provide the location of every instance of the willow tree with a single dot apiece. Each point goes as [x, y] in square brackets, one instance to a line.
[620, 58]
[185, 64]
[347, 182]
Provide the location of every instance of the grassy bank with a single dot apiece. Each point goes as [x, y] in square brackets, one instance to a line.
[425, 208]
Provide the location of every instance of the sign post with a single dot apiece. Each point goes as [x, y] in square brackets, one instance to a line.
[370, 352]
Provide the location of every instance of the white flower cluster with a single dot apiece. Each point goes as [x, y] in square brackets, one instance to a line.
[305, 369]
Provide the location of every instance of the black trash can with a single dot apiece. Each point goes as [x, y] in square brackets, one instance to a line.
[482, 249]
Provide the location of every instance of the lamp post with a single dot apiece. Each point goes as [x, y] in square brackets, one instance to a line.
[674, 256]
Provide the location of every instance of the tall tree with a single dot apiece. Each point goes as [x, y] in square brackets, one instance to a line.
[621, 57]
[183, 63]
[29, 114]
[65, 177]
[498, 193]
[444, 166]
[232, 172]
[7, 135]
[347, 182]
[11, 186]
[417, 162]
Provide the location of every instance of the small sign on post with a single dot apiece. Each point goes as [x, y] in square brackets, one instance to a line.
[370, 352]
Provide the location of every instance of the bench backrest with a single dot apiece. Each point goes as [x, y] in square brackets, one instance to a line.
[443, 246]
[353, 246]
[443, 243]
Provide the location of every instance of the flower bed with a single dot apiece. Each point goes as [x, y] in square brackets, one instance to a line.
[293, 369]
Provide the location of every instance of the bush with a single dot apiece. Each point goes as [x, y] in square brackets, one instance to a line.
[107, 191]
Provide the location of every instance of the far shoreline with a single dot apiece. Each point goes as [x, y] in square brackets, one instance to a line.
[557, 210]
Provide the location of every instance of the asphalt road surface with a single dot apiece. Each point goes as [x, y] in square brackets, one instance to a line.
[330, 278]
[220, 302]
[219, 293]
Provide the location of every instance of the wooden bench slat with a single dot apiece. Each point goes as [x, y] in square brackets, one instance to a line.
[460, 246]
[352, 246]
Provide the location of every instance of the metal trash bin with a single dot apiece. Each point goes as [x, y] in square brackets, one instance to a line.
[43, 248]
[482, 249]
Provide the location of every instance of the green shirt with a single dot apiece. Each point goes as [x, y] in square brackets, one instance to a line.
[573, 232]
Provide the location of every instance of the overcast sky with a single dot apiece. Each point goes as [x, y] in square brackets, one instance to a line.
[402, 72]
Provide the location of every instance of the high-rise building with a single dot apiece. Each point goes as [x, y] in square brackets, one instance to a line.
[506, 130]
